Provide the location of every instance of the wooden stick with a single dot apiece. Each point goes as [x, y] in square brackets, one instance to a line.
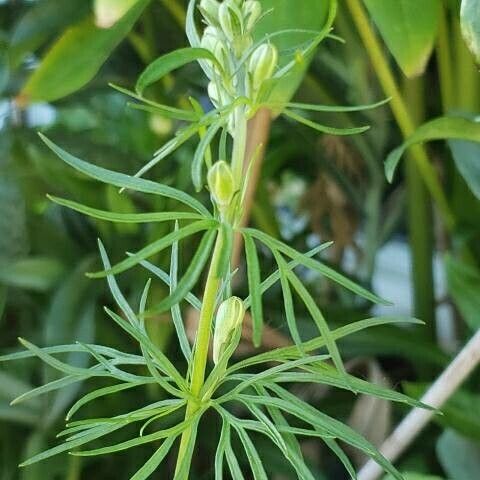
[445, 386]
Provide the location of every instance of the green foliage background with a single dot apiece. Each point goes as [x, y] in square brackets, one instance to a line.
[53, 52]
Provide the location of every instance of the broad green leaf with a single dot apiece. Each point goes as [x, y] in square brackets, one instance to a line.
[34, 273]
[466, 156]
[169, 62]
[408, 31]
[470, 21]
[459, 457]
[125, 181]
[76, 57]
[438, 129]
[464, 287]
[254, 281]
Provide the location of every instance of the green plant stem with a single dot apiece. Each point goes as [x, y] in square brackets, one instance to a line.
[212, 287]
[399, 108]
[420, 221]
[176, 10]
[445, 67]
[202, 342]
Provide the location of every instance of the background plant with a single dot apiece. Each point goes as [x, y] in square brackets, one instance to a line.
[383, 341]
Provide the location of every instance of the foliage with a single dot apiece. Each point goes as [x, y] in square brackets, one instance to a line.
[48, 246]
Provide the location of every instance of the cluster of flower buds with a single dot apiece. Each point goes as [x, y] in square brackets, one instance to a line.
[222, 186]
[228, 36]
[228, 320]
[234, 19]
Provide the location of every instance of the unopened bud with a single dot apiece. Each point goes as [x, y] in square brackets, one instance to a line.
[252, 11]
[230, 19]
[262, 64]
[221, 183]
[229, 318]
[209, 9]
[211, 41]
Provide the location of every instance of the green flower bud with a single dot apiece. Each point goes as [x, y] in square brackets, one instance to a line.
[262, 64]
[229, 318]
[252, 11]
[230, 19]
[222, 184]
[209, 10]
[211, 41]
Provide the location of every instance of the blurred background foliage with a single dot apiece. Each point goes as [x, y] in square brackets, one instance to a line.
[57, 59]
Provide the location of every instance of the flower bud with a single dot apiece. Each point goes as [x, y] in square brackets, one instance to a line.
[221, 184]
[211, 41]
[262, 64]
[230, 19]
[252, 11]
[229, 318]
[209, 10]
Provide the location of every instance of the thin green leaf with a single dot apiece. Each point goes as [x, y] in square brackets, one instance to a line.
[176, 312]
[125, 181]
[125, 217]
[156, 247]
[200, 152]
[157, 108]
[155, 460]
[190, 297]
[274, 277]
[324, 128]
[190, 277]
[287, 299]
[254, 286]
[101, 392]
[252, 454]
[171, 61]
[438, 129]
[222, 446]
[316, 343]
[315, 265]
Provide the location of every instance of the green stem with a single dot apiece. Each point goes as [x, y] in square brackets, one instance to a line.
[202, 343]
[420, 221]
[212, 287]
[399, 108]
[445, 67]
[176, 10]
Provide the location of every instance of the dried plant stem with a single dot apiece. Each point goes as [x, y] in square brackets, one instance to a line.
[445, 386]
